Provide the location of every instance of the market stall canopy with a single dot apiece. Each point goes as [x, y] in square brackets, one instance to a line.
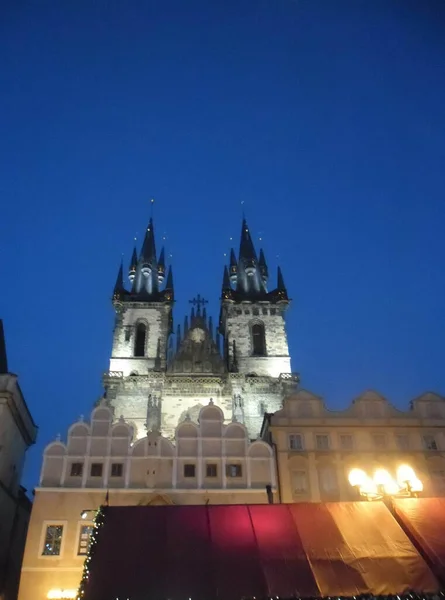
[230, 552]
[424, 520]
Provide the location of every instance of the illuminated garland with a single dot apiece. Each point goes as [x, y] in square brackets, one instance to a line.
[99, 520]
[407, 596]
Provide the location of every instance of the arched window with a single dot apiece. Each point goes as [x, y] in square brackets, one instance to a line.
[258, 340]
[139, 343]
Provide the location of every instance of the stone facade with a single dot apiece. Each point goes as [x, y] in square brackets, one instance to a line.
[17, 432]
[316, 448]
[155, 387]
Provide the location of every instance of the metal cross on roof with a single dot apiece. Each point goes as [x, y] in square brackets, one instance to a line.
[198, 301]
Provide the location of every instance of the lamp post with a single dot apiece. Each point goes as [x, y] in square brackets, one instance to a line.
[382, 485]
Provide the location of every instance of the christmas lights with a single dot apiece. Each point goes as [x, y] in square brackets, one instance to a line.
[98, 522]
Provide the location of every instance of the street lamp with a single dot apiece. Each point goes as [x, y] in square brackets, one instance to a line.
[406, 484]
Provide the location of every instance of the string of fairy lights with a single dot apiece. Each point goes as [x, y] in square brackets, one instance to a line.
[98, 522]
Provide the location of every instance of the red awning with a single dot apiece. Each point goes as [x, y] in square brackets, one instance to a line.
[227, 552]
[424, 519]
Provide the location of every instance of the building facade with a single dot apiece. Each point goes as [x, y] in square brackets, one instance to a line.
[101, 461]
[17, 432]
[316, 448]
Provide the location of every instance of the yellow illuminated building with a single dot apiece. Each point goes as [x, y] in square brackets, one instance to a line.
[317, 448]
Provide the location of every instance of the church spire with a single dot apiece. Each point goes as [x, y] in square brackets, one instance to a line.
[169, 285]
[263, 267]
[148, 251]
[3, 356]
[161, 266]
[133, 266]
[281, 288]
[119, 289]
[247, 252]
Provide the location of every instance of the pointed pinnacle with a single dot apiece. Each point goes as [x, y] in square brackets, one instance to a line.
[233, 261]
[161, 261]
[3, 356]
[246, 249]
[134, 259]
[169, 284]
[226, 280]
[119, 285]
[186, 325]
[280, 282]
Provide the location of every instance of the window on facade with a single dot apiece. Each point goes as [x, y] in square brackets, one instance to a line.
[234, 470]
[322, 441]
[211, 470]
[379, 441]
[189, 470]
[247, 312]
[402, 441]
[264, 311]
[117, 469]
[53, 540]
[256, 312]
[429, 442]
[273, 311]
[127, 334]
[296, 441]
[346, 441]
[258, 339]
[76, 469]
[139, 343]
[299, 482]
[328, 479]
[239, 311]
[96, 470]
[84, 539]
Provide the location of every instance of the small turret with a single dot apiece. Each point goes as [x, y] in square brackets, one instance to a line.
[119, 289]
[281, 288]
[3, 357]
[233, 267]
[226, 287]
[148, 252]
[247, 252]
[133, 266]
[263, 267]
[161, 267]
[169, 291]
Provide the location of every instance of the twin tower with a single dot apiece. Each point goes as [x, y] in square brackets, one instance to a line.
[244, 366]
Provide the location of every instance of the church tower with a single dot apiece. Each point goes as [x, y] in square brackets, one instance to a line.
[143, 324]
[252, 318]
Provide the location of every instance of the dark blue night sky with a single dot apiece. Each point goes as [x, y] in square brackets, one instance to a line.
[326, 118]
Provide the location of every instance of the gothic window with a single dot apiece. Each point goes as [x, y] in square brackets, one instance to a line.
[139, 343]
[264, 311]
[258, 340]
[256, 312]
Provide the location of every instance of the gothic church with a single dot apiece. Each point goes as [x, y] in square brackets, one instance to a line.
[243, 366]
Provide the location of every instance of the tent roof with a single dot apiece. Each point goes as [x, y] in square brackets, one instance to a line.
[424, 520]
[235, 551]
